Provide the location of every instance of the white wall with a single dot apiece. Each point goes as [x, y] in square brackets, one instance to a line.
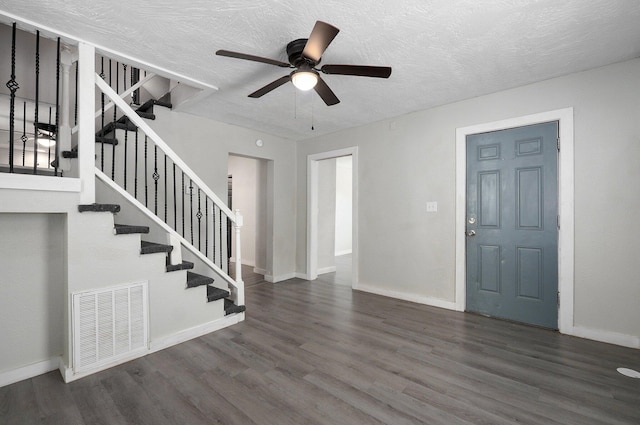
[205, 146]
[32, 288]
[249, 195]
[326, 215]
[344, 213]
[409, 160]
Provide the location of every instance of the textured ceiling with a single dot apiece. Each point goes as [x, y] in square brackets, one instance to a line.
[441, 51]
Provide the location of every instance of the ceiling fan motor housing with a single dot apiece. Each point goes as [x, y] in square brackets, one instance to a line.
[294, 52]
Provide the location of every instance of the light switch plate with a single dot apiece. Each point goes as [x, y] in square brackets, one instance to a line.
[432, 206]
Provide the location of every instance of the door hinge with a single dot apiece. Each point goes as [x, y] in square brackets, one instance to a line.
[558, 222]
[558, 299]
[558, 141]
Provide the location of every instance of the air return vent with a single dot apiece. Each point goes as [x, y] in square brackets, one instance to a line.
[110, 325]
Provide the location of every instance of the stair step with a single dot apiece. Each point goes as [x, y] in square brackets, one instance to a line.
[45, 128]
[110, 127]
[112, 208]
[127, 229]
[185, 265]
[147, 115]
[147, 247]
[195, 279]
[105, 140]
[230, 307]
[148, 105]
[70, 154]
[214, 293]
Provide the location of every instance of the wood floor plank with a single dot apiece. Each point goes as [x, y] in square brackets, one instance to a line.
[320, 353]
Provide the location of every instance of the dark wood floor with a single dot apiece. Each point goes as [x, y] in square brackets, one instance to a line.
[319, 353]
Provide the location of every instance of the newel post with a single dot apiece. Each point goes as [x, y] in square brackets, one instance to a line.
[237, 226]
[86, 122]
[64, 130]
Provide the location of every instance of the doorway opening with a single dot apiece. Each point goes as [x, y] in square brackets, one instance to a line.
[564, 117]
[250, 191]
[332, 217]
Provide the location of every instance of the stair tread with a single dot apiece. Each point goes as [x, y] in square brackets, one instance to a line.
[147, 247]
[230, 307]
[111, 126]
[195, 279]
[102, 139]
[70, 154]
[214, 293]
[112, 208]
[185, 265]
[151, 102]
[125, 229]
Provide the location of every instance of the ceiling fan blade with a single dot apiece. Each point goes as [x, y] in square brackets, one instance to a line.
[244, 56]
[321, 36]
[326, 93]
[271, 86]
[360, 70]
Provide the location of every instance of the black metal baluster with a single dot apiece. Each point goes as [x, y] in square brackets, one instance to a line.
[220, 224]
[12, 85]
[124, 77]
[135, 170]
[126, 137]
[35, 118]
[199, 216]
[102, 75]
[229, 235]
[49, 142]
[165, 187]
[115, 116]
[146, 174]
[175, 201]
[155, 176]
[213, 238]
[75, 117]
[57, 148]
[182, 190]
[24, 137]
[191, 203]
[135, 78]
[206, 227]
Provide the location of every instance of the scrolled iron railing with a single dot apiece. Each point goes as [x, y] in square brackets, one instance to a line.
[152, 176]
[26, 139]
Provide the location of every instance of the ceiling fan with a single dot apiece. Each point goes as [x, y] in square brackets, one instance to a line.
[304, 55]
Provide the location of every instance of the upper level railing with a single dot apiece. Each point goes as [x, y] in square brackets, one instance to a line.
[129, 155]
[29, 111]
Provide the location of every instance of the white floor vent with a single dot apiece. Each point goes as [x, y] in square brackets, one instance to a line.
[109, 325]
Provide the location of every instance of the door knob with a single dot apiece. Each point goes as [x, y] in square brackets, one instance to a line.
[471, 232]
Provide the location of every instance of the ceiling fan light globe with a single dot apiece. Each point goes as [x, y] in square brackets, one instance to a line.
[304, 80]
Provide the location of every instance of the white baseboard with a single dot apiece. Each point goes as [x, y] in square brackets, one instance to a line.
[275, 279]
[159, 344]
[434, 302]
[609, 337]
[329, 269]
[345, 252]
[195, 332]
[25, 372]
[260, 271]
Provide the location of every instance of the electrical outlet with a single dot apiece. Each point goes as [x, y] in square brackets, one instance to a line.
[432, 206]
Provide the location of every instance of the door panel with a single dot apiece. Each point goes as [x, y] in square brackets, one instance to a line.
[512, 206]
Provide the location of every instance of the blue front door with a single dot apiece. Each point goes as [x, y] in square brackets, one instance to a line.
[512, 224]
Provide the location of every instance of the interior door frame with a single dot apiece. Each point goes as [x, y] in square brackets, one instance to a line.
[312, 211]
[565, 205]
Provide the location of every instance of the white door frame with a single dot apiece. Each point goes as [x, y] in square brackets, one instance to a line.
[565, 205]
[312, 211]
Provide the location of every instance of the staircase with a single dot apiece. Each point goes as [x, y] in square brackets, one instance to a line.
[191, 279]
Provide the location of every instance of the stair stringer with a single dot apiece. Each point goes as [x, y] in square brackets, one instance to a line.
[102, 259]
